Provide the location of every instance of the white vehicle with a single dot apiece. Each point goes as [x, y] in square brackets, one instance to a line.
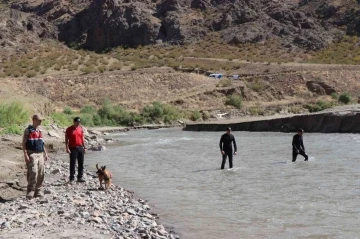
[218, 76]
[234, 77]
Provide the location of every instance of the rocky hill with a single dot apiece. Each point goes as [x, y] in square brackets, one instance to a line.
[102, 24]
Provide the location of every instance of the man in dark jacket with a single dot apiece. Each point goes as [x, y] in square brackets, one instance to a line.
[226, 149]
[298, 145]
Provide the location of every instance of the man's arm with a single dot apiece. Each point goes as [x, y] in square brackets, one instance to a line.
[302, 145]
[234, 142]
[67, 143]
[46, 154]
[83, 140]
[25, 137]
[293, 144]
[221, 144]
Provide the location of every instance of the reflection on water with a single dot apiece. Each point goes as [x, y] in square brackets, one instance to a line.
[264, 196]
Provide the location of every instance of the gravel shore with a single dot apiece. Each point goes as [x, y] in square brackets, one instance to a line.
[79, 210]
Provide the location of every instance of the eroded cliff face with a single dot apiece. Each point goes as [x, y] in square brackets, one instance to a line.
[336, 121]
[98, 25]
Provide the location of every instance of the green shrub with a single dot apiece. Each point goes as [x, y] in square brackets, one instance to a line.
[157, 112]
[257, 85]
[87, 69]
[114, 115]
[345, 98]
[87, 120]
[234, 100]
[97, 120]
[87, 110]
[335, 96]
[68, 111]
[318, 106]
[195, 115]
[206, 115]
[30, 74]
[101, 69]
[61, 119]
[256, 111]
[13, 129]
[13, 117]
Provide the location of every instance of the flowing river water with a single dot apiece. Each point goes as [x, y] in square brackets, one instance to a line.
[264, 196]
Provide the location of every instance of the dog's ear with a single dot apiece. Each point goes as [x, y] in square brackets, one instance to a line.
[103, 168]
[97, 166]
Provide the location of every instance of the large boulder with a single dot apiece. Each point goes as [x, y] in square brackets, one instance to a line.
[115, 23]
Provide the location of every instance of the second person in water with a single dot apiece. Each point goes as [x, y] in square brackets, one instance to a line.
[298, 146]
[226, 149]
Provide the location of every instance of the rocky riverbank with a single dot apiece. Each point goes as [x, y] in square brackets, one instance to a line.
[79, 210]
[342, 119]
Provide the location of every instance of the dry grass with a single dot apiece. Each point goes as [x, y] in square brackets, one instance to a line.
[347, 51]
[52, 59]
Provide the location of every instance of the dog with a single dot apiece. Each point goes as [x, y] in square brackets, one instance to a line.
[104, 175]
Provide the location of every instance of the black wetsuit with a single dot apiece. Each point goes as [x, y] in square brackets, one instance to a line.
[298, 147]
[226, 142]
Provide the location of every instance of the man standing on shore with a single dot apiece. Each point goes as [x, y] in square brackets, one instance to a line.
[298, 145]
[35, 155]
[226, 149]
[75, 147]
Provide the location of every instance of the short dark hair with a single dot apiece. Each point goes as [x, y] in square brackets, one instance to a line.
[300, 130]
[77, 119]
[228, 129]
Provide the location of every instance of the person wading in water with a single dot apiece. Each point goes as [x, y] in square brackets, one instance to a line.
[298, 145]
[226, 149]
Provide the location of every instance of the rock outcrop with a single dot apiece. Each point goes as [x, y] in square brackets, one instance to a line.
[98, 25]
[18, 29]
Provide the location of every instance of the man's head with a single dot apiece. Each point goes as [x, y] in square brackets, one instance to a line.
[300, 132]
[37, 119]
[77, 121]
[228, 130]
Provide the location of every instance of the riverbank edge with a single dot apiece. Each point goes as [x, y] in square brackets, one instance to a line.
[328, 122]
[16, 183]
[106, 129]
[92, 208]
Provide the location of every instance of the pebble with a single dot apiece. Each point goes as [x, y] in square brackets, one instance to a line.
[115, 212]
[131, 211]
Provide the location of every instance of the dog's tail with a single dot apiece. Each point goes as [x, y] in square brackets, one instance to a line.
[97, 166]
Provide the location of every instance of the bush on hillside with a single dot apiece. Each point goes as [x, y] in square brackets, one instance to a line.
[13, 117]
[345, 98]
[234, 100]
[159, 112]
[61, 119]
[195, 115]
[68, 111]
[87, 110]
[318, 106]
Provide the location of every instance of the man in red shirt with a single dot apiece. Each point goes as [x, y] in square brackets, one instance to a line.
[75, 147]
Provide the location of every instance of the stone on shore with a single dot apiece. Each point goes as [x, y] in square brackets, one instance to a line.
[79, 211]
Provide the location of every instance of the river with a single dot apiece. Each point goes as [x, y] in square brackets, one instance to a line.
[264, 196]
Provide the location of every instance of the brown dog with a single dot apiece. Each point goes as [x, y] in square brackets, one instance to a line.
[104, 175]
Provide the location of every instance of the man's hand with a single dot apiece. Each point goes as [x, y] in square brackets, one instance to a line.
[223, 152]
[27, 158]
[67, 150]
[234, 153]
[46, 157]
[85, 150]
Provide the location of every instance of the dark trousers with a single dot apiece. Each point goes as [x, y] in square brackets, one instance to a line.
[227, 154]
[76, 154]
[295, 154]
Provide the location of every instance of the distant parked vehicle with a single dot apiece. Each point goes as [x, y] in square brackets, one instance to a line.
[218, 76]
[234, 77]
